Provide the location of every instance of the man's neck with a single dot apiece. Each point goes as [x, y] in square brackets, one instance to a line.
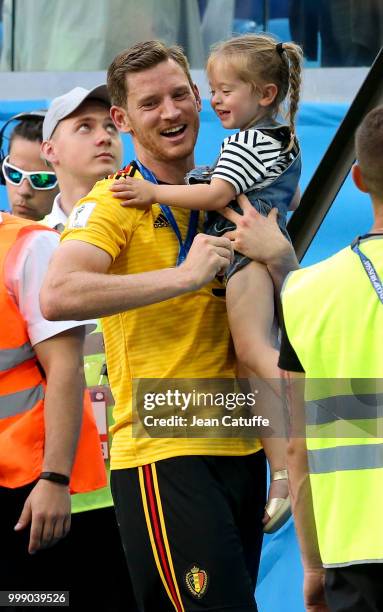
[172, 172]
[71, 192]
[378, 216]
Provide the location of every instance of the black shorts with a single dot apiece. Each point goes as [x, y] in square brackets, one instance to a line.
[191, 529]
[355, 588]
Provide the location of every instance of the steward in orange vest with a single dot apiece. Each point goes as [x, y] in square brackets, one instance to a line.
[22, 390]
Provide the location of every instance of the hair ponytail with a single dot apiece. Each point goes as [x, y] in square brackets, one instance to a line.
[293, 55]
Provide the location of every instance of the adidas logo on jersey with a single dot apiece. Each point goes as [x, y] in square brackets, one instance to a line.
[161, 221]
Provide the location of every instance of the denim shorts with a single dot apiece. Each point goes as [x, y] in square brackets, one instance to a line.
[217, 225]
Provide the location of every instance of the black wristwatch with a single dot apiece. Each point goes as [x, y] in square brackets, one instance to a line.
[55, 477]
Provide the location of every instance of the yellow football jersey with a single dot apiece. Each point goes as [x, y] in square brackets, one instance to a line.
[185, 337]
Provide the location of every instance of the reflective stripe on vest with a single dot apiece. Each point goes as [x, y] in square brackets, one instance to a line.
[21, 401]
[334, 322]
[341, 458]
[10, 358]
[344, 407]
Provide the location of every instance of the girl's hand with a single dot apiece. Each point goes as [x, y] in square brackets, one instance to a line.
[133, 192]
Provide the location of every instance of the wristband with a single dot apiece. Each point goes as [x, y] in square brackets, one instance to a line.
[55, 477]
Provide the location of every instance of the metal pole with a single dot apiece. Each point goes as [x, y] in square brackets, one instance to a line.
[336, 163]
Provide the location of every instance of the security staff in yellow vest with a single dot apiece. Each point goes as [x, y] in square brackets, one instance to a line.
[335, 338]
[82, 145]
[333, 313]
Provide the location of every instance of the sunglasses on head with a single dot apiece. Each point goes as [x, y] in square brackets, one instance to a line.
[38, 180]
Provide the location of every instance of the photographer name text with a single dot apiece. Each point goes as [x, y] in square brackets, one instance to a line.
[226, 420]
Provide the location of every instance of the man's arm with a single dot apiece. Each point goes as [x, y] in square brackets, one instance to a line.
[48, 506]
[301, 498]
[78, 286]
[260, 238]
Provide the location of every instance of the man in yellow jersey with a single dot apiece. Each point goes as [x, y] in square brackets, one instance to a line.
[82, 145]
[189, 510]
[333, 313]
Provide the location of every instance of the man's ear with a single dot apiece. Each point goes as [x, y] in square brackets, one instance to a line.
[48, 152]
[197, 97]
[120, 119]
[268, 94]
[358, 179]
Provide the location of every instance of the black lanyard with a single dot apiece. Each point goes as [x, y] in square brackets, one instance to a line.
[184, 245]
[369, 267]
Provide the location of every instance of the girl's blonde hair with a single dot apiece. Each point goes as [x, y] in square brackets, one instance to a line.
[260, 59]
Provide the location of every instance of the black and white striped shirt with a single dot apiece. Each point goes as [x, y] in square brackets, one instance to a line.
[253, 158]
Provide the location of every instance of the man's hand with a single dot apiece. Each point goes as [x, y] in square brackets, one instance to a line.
[208, 256]
[256, 236]
[134, 192]
[260, 238]
[313, 590]
[47, 508]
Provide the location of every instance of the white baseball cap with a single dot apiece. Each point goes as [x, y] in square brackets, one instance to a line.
[65, 105]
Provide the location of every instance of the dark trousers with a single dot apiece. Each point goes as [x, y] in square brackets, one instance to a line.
[191, 531]
[89, 562]
[356, 588]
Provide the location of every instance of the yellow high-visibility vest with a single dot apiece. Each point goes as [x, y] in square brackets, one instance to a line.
[334, 321]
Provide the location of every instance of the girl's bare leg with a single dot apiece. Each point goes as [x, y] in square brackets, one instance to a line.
[250, 306]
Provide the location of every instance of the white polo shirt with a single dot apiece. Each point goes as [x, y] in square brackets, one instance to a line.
[57, 218]
[24, 279]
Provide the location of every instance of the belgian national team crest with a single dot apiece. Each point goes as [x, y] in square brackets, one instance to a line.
[196, 581]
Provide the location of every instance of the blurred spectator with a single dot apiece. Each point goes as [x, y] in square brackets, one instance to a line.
[217, 22]
[59, 36]
[255, 10]
[30, 195]
[351, 31]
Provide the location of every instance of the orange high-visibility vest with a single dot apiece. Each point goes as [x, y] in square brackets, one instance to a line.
[22, 390]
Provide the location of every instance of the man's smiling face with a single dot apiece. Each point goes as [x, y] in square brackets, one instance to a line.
[162, 112]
